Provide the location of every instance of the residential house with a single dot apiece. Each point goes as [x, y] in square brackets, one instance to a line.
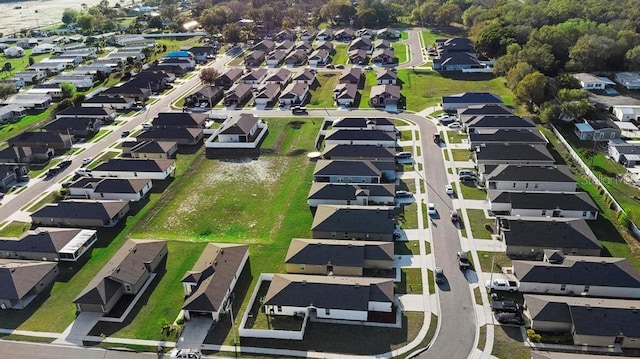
[326, 45]
[203, 54]
[49, 244]
[365, 123]
[628, 80]
[478, 138]
[265, 46]
[58, 141]
[345, 94]
[179, 120]
[206, 95]
[29, 102]
[328, 297]
[116, 103]
[244, 128]
[187, 136]
[304, 46]
[319, 57]
[294, 93]
[513, 154]
[361, 43]
[307, 35]
[254, 58]
[490, 122]
[334, 257]
[22, 281]
[50, 68]
[382, 44]
[275, 58]
[366, 223]
[11, 173]
[238, 95]
[357, 137]
[110, 188]
[52, 90]
[325, 35]
[543, 204]
[592, 322]
[135, 168]
[12, 113]
[16, 154]
[209, 285]
[287, 46]
[155, 150]
[101, 113]
[384, 57]
[341, 171]
[463, 100]
[296, 58]
[125, 273]
[358, 152]
[388, 34]
[343, 35]
[626, 154]
[386, 76]
[81, 213]
[592, 82]
[267, 95]
[352, 75]
[385, 96]
[307, 76]
[358, 57]
[365, 33]
[351, 194]
[597, 130]
[506, 177]
[81, 127]
[579, 275]
[286, 34]
[465, 114]
[281, 77]
[30, 77]
[138, 93]
[229, 78]
[44, 48]
[568, 235]
[81, 82]
[458, 61]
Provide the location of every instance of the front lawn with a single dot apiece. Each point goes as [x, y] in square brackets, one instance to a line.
[508, 343]
[369, 82]
[401, 51]
[14, 229]
[407, 216]
[410, 248]
[500, 260]
[411, 282]
[26, 123]
[461, 155]
[479, 223]
[471, 191]
[456, 136]
[103, 158]
[322, 95]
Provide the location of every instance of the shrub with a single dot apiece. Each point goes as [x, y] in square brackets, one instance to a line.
[533, 336]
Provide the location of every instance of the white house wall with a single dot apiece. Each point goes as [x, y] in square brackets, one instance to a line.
[317, 202]
[380, 307]
[388, 144]
[143, 175]
[533, 186]
[594, 291]
[549, 213]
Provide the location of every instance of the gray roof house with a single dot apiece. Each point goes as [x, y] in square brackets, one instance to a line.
[597, 130]
[49, 244]
[543, 204]
[135, 168]
[210, 283]
[351, 75]
[22, 281]
[523, 238]
[454, 102]
[365, 123]
[513, 154]
[625, 154]
[125, 189]
[58, 141]
[529, 178]
[334, 257]
[81, 213]
[179, 120]
[358, 152]
[125, 273]
[465, 113]
[358, 137]
[385, 96]
[332, 297]
[368, 223]
[386, 76]
[345, 94]
[511, 136]
[494, 122]
[351, 194]
[579, 275]
[339, 171]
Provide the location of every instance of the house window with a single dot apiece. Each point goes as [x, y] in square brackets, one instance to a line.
[333, 234]
[514, 185]
[346, 234]
[302, 267]
[584, 214]
[327, 311]
[535, 185]
[544, 212]
[563, 287]
[280, 309]
[586, 289]
[613, 135]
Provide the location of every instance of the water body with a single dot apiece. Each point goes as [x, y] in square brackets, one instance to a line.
[17, 15]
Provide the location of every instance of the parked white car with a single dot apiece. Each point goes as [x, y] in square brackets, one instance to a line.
[185, 354]
[431, 209]
[86, 161]
[448, 189]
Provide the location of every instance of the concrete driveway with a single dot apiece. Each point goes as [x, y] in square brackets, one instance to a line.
[195, 330]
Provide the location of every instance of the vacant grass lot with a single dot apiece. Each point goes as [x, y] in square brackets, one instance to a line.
[426, 88]
[370, 81]
[401, 52]
[322, 95]
[429, 36]
[340, 57]
[478, 223]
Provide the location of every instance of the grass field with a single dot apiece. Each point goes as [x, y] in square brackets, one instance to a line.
[470, 191]
[456, 136]
[508, 343]
[322, 96]
[429, 36]
[401, 52]
[28, 122]
[369, 82]
[478, 223]
[14, 229]
[19, 64]
[500, 260]
[340, 57]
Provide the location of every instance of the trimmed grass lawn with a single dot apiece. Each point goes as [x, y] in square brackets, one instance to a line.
[478, 223]
[477, 295]
[103, 158]
[461, 155]
[26, 123]
[456, 136]
[19, 64]
[431, 281]
[409, 248]
[508, 343]
[340, 57]
[500, 260]
[369, 82]
[411, 282]
[14, 229]
[470, 191]
[425, 88]
[433, 326]
[401, 52]
[407, 216]
[482, 337]
[98, 136]
[322, 95]
[237, 61]
[49, 198]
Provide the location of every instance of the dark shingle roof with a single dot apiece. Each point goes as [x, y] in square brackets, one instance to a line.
[336, 252]
[175, 119]
[580, 270]
[559, 173]
[513, 152]
[485, 109]
[18, 278]
[347, 293]
[214, 273]
[279, 76]
[516, 136]
[609, 322]
[359, 151]
[346, 168]
[362, 122]
[135, 165]
[152, 146]
[354, 219]
[371, 135]
[71, 123]
[472, 97]
[104, 210]
[346, 191]
[41, 240]
[242, 125]
[577, 201]
[121, 185]
[571, 233]
[85, 111]
[503, 122]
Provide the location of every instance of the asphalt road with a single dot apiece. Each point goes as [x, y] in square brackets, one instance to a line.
[45, 351]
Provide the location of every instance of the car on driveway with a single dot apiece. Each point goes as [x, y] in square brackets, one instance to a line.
[454, 126]
[468, 178]
[340, 67]
[431, 209]
[439, 273]
[510, 318]
[454, 217]
[449, 189]
[404, 194]
[185, 354]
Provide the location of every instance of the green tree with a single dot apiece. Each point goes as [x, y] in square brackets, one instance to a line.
[632, 59]
[549, 112]
[31, 60]
[7, 89]
[572, 94]
[517, 73]
[85, 21]
[68, 89]
[338, 11]
[539, 56]
[447, 14]
[209, 75]
[7, 67]
[531, 88]
[232, 33]
[493, 39]
[567, 81]
[591, 52]
[576, 109]
[70, 16]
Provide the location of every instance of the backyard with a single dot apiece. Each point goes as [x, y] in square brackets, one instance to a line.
[322, 95]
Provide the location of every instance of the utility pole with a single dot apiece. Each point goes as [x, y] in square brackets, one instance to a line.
[233, 328]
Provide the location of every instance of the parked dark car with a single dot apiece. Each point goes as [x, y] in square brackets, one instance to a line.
[64, 164]
[505, 306]
[510, 318]
[125, 134]
[440, 275]
[468, 178]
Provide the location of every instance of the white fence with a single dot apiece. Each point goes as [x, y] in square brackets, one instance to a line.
[592, 176]
[267, 333]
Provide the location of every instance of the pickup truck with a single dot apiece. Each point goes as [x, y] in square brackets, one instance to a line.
[463, 261]
[502, 285]
[505, 306]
